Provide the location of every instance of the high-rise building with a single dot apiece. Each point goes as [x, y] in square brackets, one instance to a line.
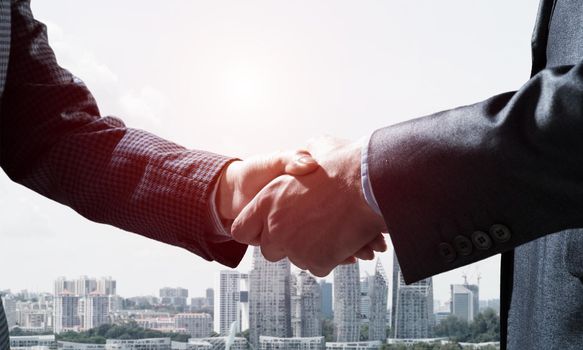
[210, 297]
[227, 305]
[174, 296]
[412, 309]
[64, 285]
[326, 298]
[199, 325]
[269, 299]
[462, 302]
[10, 310]
[378, 290]
[95, 310]
[305, 306]
[347, 303]
[244, 301]
[85, 286]
[66, 312]
[106, 286]
[475, 297]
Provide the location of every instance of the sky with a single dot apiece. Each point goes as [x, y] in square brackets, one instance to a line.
[250, 77]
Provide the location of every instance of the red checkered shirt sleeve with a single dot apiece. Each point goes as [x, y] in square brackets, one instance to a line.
[54, 141]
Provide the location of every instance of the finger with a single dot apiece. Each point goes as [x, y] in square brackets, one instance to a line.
[319, 272]
[365, 253]
[272, 253]
[249, 224]
[349, 261]
[378, 244]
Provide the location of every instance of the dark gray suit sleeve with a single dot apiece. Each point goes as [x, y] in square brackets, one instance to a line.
[516, 159]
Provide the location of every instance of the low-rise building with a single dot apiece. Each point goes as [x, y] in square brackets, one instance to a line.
[361, 345]
[138, 344]
[303, 343]
[33, 341]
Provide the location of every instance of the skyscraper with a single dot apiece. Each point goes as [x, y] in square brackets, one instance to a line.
[462, 302]
[227, 305]
[378, 289]
[412, 310]
[305, 306]
[326, 298]
[347, 303]
[269, 299]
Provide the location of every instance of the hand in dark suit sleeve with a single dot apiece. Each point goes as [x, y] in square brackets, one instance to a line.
[513, 160]
[55, 142]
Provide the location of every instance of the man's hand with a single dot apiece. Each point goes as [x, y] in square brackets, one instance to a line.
[318, 221]
[241, 180]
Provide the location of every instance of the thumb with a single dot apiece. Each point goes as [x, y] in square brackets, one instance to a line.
[248, 225]
[298, 163]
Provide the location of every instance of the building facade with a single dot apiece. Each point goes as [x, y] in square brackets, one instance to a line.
[227, 305]
[347, 303]
[378, 293]
[306, 306]
[275, 343]
[412, 311]
[269, 299]
[197, 325]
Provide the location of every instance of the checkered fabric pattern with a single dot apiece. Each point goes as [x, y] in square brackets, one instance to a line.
[54, 141]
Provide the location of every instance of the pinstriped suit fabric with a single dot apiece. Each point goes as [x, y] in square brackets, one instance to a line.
[4, 341]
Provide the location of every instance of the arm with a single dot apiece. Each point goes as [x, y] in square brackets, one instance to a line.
[514, 159]
[54, 141]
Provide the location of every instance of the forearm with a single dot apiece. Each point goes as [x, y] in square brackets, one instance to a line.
[513, 160]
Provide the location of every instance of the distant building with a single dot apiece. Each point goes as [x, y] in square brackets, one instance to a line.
[219, 343]
[296, 343]
[196, 325]
[361, 345]
[194, 345]
[96, 311]
[412, 310]
[305, 306]
[138, 344]
[347, 303]
[378, 293]
[440, 316]
[490, 304]
[33, 341]
[210, 297]
[10, 310]
[462, 302]
[106, 286]
[326, 298]
[65, 345]
[174, 296]
[227, 306]
[269, 299]
[66, 312]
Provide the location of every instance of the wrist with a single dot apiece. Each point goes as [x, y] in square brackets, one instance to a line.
[226, 191]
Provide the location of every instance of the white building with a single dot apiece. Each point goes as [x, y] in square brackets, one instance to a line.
[227, 303]
[269, 299]
[33, 341]
[361, 345]
[10, 310]
[296, 343]
[65, 345]
[138, 344]
[193, 345]
[219, 343]
[196, 325]
[347, 303]
[306, 306]
[174, 296]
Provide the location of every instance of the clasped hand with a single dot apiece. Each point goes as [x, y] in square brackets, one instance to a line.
[306, 205]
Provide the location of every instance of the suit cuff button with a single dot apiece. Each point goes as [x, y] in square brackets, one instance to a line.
[446, 252]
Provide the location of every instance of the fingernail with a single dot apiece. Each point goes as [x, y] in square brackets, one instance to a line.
[306, 160]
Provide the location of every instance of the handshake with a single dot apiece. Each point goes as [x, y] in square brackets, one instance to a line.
[307, 206]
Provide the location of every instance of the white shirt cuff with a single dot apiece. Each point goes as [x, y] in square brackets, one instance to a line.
[365, 181]
[222, 233]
